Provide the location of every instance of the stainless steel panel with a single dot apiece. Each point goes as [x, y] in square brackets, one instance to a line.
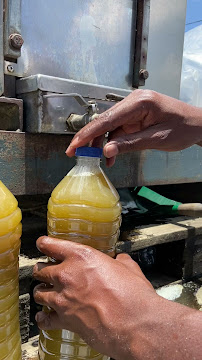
[1, 50]
[88, 41]
[165, 47]
[93, 41]
[34, 164]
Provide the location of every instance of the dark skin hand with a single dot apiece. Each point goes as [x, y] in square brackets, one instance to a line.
[112, 306]
[143, 120]
[109, 302]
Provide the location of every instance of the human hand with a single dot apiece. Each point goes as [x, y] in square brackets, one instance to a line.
[143, 120]
[91, 295]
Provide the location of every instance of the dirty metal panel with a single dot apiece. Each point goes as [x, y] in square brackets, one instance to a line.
[34, 164]
[49, 115]
[193, 256]
[153, 167]
[11, 114]
[1, 50]
[12, 161]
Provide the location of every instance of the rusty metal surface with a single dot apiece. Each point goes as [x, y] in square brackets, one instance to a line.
[34, 164]
[11, 114]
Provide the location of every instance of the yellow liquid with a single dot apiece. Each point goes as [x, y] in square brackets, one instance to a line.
[84, 208]
[10, 233]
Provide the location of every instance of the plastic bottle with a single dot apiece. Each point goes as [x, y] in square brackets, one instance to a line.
[85, 208]
[10, 233]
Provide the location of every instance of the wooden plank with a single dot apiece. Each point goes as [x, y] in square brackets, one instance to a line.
[179, 228]
[25, 272]
[24, 306]
[26, 265]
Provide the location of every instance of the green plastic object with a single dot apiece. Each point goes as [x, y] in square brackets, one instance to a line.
[151, 201]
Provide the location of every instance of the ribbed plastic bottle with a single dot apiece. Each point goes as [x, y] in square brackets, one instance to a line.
[85, 208]
[10, 233]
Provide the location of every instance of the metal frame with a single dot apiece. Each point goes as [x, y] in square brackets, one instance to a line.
[12, 27]
[62, 86]
[140, 74]
[1, 50]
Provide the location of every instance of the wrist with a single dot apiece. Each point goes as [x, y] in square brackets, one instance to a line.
[194, 119]
[161, 331]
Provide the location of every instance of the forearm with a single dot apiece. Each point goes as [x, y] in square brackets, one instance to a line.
[167, 330]
[194, 115]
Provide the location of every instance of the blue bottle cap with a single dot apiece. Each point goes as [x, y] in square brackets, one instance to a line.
[89, 151]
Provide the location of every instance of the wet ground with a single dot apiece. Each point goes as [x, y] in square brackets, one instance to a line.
[189, 294]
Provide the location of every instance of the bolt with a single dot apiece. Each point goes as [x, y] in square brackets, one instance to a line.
[144, 74]
[16, 41]
[10, 68]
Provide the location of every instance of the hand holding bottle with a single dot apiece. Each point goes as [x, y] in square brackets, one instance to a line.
[112, 306]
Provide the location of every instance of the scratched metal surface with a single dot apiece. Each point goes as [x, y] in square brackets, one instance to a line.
[34, 164]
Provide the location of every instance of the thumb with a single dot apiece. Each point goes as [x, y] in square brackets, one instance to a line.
[155, 137]
[48, 320]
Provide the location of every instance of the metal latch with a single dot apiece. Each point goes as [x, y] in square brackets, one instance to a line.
[75, 121]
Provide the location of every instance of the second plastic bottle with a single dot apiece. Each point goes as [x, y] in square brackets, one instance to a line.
[10, 233]
[85, 208]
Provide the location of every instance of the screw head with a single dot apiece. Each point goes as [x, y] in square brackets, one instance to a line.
[144, 74]
[16, 41]
[10, 68]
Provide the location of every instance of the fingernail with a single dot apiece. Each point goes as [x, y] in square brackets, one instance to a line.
[69, 154]
[43, 240]
[111, 150]
[40, 316]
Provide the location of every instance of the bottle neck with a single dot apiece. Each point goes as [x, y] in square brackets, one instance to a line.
[88, 161]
